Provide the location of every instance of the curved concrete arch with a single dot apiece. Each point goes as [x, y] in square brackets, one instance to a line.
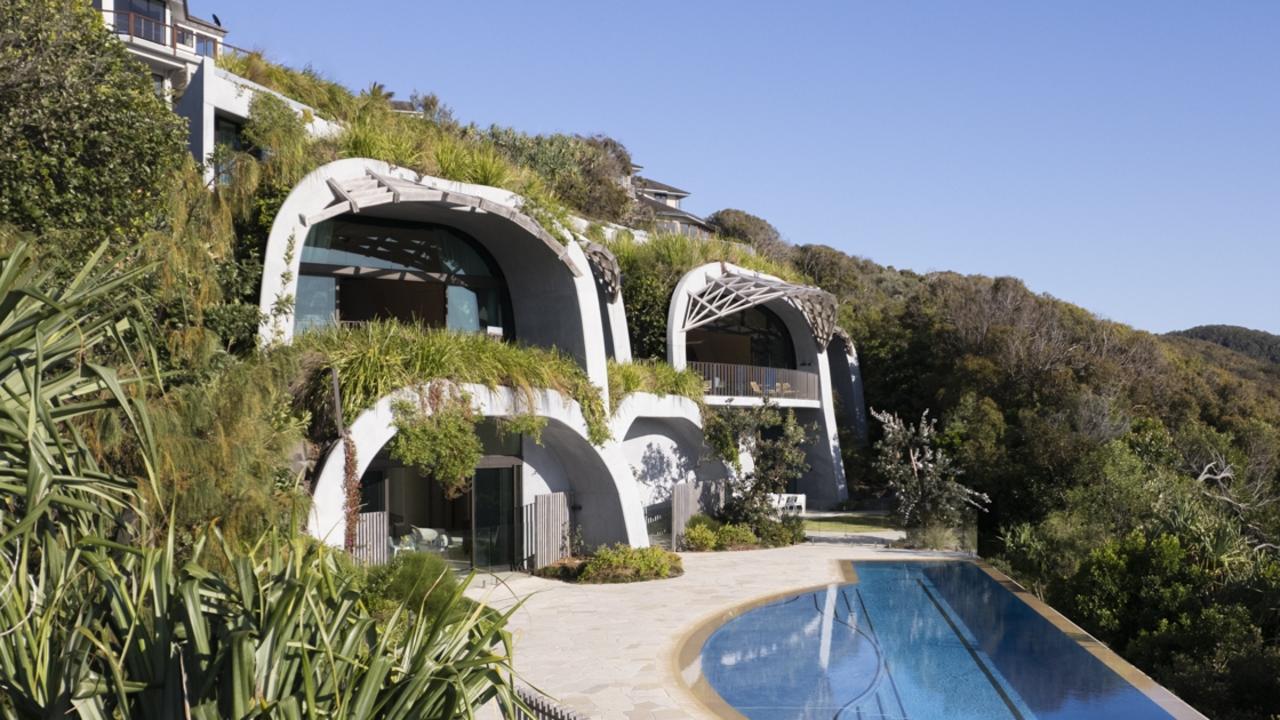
[825, 484]
[602, 483]
[697, 280]
[846, 375]
[553, 293]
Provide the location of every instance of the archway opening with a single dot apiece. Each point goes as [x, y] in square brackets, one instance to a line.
[408, 511]
[754, 336]
[357, 268]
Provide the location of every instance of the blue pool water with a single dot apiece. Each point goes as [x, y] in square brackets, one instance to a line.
[916, 640]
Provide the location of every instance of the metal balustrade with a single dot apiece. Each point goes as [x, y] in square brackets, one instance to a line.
[726, 379]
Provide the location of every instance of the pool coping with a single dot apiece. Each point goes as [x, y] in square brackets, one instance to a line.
[685, 657]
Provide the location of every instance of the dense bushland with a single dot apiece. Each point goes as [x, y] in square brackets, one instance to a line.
[1254, 343]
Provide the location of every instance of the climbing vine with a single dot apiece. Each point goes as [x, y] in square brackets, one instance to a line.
[437, 436]
[525, 424]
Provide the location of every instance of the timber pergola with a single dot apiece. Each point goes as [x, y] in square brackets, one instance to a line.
[357, 194]
[735, 289]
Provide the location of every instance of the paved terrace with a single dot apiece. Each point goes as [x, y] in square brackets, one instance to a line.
[609, 651]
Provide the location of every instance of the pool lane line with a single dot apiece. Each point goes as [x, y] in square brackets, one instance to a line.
[884, 655]
[977, 659]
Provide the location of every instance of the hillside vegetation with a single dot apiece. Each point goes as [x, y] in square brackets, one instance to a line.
[1134, 480]
[1256, 344]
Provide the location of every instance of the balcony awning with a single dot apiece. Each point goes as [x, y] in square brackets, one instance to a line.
[735, 290]
[356, 194]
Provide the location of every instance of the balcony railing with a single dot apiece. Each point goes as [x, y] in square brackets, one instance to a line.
[725, 379]
[176, 37]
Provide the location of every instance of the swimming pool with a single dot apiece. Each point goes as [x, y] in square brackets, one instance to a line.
[922, 640]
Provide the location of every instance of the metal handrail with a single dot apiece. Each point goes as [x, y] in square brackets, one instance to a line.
[728, 379]
[161, 33]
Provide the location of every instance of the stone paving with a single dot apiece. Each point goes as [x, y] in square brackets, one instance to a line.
[608, 651]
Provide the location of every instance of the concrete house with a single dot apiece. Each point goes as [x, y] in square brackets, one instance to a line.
[181, 51]
[359, 240]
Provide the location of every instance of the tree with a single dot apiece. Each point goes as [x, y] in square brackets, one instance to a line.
[776, 442]
[920, 475]
[85, 144]
[752, 230]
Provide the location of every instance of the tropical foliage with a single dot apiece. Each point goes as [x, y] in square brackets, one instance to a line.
[97, 620]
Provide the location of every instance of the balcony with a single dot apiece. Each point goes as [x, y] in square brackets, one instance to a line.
[177, 38]
[728, 380]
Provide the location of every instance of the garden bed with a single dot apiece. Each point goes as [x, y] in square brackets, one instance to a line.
[616, 564]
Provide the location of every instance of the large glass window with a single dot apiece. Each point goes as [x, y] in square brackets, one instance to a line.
[356, 269]
[755, 336]
[142, 19]
[206, 46]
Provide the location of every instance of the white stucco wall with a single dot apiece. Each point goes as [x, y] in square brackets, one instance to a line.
[213, 91]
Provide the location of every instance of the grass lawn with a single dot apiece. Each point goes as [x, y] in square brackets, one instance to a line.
[850, 523]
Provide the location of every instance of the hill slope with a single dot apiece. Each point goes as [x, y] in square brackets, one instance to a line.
[1254, 343]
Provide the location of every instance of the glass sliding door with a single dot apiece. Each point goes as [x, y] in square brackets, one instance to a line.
[496, 498]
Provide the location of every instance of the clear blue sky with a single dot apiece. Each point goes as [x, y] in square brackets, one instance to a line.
[1124, 156]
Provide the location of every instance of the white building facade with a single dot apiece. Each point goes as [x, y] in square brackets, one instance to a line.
[359, 240]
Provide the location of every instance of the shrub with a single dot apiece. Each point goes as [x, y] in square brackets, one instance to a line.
[623, 563]
[414, 580]
[920, 474]
[706, 521]
[699, 538]
[934, 537]
[93, 627]
[775, 533]
[731, 537]
[652, 376]
[755, 231]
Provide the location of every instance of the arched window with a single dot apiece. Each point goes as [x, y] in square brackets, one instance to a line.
[356, 269]
[755, 336]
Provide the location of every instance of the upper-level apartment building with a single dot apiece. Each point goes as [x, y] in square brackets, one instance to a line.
[181, 52]
[359, 240]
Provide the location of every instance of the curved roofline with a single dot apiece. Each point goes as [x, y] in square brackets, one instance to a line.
[815, 305]
[351, 185]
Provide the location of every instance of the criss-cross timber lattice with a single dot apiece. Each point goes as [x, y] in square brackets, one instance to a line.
[734, 291]
[607, 270]
[356, 194]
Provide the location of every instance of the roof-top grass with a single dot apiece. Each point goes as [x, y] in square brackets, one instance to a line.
[377, 358]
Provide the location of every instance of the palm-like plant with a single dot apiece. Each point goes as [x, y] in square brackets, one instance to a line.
[94, 623]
